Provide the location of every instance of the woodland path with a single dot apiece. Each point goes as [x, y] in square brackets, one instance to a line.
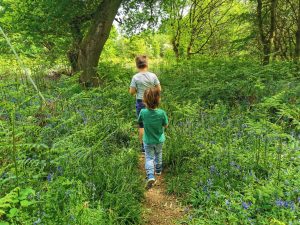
[159, 207]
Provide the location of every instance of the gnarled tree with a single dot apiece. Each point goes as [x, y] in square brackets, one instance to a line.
[82, 26]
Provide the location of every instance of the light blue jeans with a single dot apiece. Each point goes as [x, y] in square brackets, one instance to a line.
[153, 155]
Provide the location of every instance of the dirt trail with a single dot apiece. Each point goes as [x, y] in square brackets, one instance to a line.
[159, 207]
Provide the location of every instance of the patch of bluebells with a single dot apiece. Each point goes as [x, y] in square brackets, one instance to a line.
[235, 165]
[285, 204]
[246, 205]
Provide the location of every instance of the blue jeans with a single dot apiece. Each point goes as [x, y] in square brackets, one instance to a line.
[153, 155]
[139, 105]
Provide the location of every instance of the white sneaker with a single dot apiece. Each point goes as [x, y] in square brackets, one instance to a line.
[150, 183]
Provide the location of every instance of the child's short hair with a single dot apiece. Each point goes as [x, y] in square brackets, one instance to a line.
[151, 97]
[141, 61]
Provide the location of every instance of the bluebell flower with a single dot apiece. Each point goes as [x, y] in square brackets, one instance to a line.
[246, 205]
[292, 206]
[60, 170]
[209, 182]
[227, 202]
[212, 169]
[38, 221]
[49, 177]
[244, 125]
[235, 165]
[72, 217]
[280, 203]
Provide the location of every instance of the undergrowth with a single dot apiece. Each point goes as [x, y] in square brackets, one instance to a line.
[232, 149]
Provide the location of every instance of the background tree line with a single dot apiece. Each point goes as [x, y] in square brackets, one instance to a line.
[78, 30]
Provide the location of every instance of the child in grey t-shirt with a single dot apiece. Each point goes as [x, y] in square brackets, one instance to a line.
[139, 83]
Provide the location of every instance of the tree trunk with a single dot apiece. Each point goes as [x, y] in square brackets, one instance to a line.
[272, 24]
[297, 49]
[266, 40]
[189, 51]
[263, 39]
[73, 53]
[93, 43]
[175, 48]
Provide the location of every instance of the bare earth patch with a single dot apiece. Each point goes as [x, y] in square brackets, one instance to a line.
[159, 207]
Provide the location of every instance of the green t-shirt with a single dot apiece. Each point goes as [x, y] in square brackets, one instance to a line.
[154, 121]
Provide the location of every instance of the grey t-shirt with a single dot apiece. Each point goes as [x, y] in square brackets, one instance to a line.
[143, 80]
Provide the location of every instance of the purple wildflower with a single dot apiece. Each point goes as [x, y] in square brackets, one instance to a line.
[212, 169]
[227, 202]
[49, 177]
[72, 217]
[209, 182]
[246, 205]
[280, 203]
[60, 170]
[244, 125]
[37, 221]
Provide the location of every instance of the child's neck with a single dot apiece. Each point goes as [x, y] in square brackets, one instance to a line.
[143, 70]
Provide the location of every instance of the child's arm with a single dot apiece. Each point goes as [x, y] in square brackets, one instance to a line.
[157, 83]
[140, 118]
[165, 120]
[132, 90]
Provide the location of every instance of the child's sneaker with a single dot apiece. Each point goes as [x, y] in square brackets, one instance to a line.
[158, 173]
[150, 183]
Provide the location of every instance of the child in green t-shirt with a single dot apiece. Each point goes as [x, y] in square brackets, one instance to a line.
[154, 120]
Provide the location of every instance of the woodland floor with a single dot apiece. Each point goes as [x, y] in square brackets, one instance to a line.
[159, 207]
